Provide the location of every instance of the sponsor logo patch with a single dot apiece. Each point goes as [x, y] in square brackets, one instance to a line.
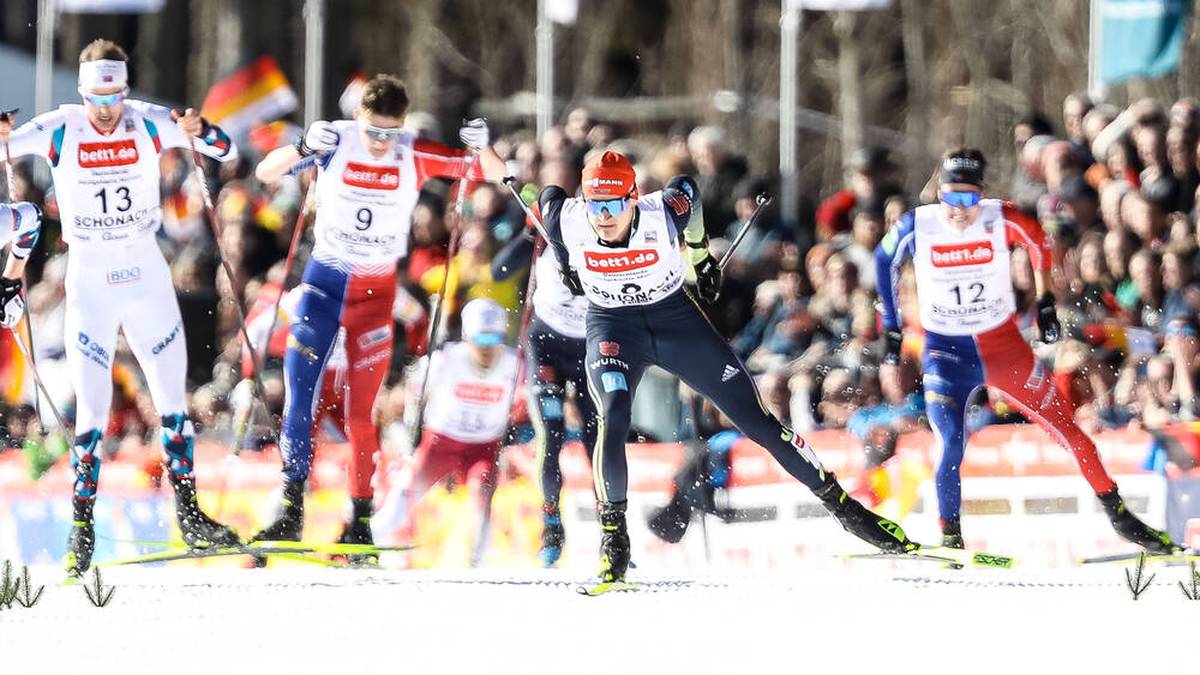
[125, 275]
[958, 255]
[607, 263]
[371, 177]
[374, 337]
[474, 392]
[610, 348]
[110, 153]
[613, 381]
[729, 373]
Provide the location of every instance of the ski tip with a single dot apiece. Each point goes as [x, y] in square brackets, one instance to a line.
[600, 588]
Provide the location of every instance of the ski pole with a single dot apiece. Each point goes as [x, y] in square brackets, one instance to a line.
[439, 302]
[9, 116]
[38, 381]
[211, 214]
[761, 200]
[247, 420]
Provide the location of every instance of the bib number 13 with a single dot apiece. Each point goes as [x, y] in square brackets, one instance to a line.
[122, 201]
[974, 293]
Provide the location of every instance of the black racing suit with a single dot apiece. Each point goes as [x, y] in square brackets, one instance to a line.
[674, 334]
[552, 360]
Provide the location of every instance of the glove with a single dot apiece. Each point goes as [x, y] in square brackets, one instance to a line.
[570, 279]
[474, 134]
[1047, 319]
[321, 137]
[12, 305]
[708, 279]
[892, 339]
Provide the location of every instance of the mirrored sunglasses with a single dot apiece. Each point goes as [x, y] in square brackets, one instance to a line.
[964, 200]
[101, 100]
[613, 206]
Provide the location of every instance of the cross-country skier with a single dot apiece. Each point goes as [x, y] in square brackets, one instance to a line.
[623, 252]
[471, 386]
[960, 251]
[104, 159]
[20, 224]
[554, 355]
[370, 173]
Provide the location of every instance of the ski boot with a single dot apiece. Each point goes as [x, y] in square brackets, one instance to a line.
[83, 538]
[1131, 528]
[553, 536]
[862, 523]
[289, 519]
[614, 542]
[85, 460]
[670, 523]
[358, 531]
[198, 530]
[952, 534]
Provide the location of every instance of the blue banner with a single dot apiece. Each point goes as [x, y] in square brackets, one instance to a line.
[1141, 38]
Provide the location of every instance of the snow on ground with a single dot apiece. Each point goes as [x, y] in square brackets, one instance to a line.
[871, 616]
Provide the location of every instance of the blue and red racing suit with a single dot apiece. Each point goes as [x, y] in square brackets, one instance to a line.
[967, 307]
[364, 209]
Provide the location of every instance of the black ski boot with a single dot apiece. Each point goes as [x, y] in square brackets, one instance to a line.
[614, 541]
[952, 534]
[862, 523]
[83, 538]
[671, 522]
[553, 536]
[289, 519]
[1131, 528]
[358, 531]
[199, 531]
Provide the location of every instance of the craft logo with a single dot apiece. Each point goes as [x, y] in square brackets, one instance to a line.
[608, 263]
[112, 153]
[610, 349]
[371, 177]
[958, 255]
[474, 392]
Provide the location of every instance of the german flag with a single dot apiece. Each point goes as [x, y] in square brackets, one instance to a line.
[254, 94]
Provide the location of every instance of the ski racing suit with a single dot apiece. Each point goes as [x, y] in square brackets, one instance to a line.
[967, 308]
[554, 357]
[107, 187]
[639, 314]
[364, 210]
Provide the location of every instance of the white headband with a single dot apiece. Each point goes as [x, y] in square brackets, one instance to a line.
[102, 74]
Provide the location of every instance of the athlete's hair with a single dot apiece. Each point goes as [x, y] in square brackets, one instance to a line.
[102, 50]
[385, 95]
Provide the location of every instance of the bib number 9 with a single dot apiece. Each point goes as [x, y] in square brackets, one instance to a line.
[364, 217]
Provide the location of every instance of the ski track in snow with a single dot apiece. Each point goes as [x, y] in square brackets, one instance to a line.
[871, 617]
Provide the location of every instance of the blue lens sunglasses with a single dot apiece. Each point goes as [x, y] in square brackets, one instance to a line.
[102, 100]
[962, 200]
[614, 207]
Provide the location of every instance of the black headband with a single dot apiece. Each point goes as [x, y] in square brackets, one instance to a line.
[961, 170]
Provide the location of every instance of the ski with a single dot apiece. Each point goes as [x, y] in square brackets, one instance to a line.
[1167, 558]
[200, 553]
[941, 554]
[602, 587]
[325, 548]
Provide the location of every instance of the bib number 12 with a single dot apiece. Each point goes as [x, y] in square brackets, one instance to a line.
[975, 290]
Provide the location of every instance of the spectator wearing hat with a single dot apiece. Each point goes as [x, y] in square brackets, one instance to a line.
[872, 175]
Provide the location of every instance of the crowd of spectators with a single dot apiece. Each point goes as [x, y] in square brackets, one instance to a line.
[1116, 189]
